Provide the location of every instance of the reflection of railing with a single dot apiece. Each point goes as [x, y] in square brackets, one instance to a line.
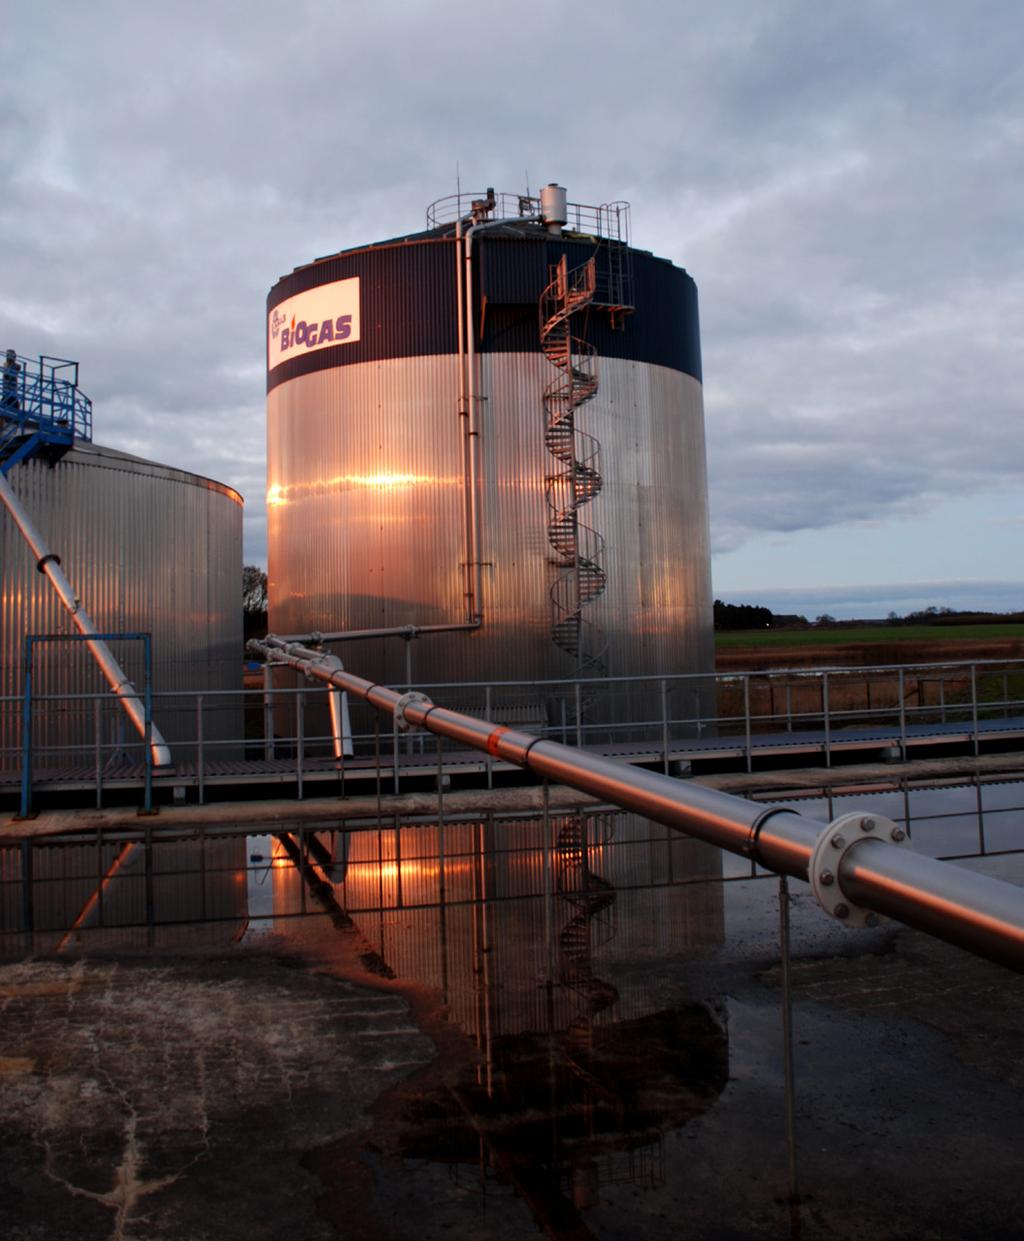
[981, 818]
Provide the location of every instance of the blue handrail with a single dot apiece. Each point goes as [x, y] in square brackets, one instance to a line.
[40, 405]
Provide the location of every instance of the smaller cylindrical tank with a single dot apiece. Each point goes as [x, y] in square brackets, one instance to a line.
[147, 549]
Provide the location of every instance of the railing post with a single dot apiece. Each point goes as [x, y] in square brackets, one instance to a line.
[268, 711]
[301, 869]
[440, 821]
[787, 1038]
[148, 858]
[99, 875]
[789, 707]
[903, 718]
[979, 802]
[664, 725]
[300, 740]
[97, 733]
[202, 872]
[579, 715]
[488, 761]
[200, 754]
[26, 734]
[147, 734]
[827, 719]
[399, 898]
[549, 947]
[746, 721]
[974, 706]
[27, 903]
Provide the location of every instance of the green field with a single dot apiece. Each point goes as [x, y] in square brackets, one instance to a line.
[837, 635]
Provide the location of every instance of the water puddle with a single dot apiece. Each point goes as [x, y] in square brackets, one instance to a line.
[496, 1028]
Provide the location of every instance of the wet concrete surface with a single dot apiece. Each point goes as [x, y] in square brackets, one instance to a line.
[276, 1088]
[175, 1097]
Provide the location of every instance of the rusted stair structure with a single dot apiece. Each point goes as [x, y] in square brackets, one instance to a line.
[577, 479]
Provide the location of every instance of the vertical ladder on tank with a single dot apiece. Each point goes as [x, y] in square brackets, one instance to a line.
[42, 413]
[577, 479]
[614, 291]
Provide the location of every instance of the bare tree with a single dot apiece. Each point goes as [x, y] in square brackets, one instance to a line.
[254, 601]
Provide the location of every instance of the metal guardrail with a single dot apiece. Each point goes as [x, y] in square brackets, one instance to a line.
[606, 220]
[816, 712]
[859, 866]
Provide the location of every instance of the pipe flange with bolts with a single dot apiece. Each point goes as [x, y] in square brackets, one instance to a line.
[838, 838]
[402, 723]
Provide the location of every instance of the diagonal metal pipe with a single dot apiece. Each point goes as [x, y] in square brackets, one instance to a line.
[48, 563]
[981, 914]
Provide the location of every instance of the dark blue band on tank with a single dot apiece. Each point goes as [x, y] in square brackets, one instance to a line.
[408, 301]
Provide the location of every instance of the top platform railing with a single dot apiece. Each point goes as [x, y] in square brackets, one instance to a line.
[41, 396]
[608, 220]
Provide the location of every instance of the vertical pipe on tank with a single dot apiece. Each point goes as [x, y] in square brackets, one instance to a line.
[473, 413]
[472, 438]
[472, 548]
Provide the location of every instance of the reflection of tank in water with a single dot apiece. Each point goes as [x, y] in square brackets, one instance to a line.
[519, 934]
[120, 894]
[556, 1124]
[529, 936]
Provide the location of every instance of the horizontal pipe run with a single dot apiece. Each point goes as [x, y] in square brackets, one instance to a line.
[973, 911]
[408, 632]
[49, 564]
[988, 916]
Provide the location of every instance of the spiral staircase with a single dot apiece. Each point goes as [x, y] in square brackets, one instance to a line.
[576, 479]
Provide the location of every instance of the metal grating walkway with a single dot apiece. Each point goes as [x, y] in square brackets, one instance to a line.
[429, 762]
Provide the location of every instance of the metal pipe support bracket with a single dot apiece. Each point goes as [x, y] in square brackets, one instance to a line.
[837, 839]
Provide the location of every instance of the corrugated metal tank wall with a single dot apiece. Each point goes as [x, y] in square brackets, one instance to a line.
[146, 548]
[365, 483]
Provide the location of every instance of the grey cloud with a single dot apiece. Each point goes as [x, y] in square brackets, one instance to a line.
[842, 180]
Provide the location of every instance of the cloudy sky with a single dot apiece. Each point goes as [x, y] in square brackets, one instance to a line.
[843, 180]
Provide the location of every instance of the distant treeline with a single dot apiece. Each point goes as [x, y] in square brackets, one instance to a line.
[950, 616]
[751, 616]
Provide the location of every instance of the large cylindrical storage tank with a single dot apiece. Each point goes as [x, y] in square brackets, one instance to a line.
[367, 419]
[147, 548]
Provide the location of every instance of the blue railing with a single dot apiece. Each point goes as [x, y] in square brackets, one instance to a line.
[40, 406]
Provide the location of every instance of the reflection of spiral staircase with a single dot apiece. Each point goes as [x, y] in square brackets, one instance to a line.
[577, 479]
[592, 924]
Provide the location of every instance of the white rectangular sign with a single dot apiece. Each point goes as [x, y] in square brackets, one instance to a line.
[316, 319]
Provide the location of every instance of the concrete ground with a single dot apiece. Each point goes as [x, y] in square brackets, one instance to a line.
[277, 1089]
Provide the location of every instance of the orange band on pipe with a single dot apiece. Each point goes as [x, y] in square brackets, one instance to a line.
[493, 739]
